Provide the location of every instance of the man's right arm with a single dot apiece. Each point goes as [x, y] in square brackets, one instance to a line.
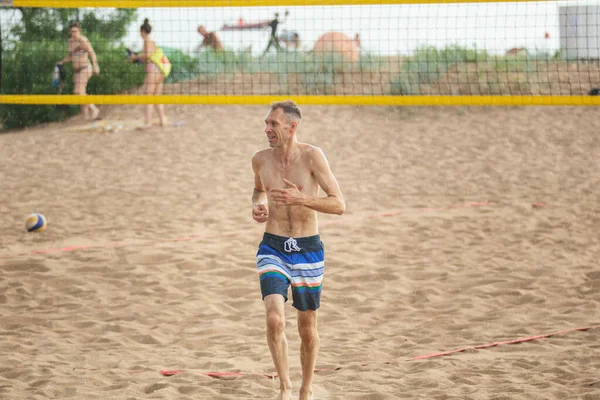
[259, 197]
[260, 212]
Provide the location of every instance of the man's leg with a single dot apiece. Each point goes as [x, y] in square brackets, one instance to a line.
[307, 328]
[268, 47]
[274, 306]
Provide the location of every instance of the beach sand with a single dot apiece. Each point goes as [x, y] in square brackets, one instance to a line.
[464, 226]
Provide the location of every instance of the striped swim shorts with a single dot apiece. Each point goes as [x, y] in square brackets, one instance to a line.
[299, 262]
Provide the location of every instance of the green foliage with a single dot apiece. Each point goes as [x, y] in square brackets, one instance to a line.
[186, 67]
[428, 64]
[39, 41]
[53, 23]
[371, 62]
[213, 63]
[27, 69]
[117, 74]
[316, 72]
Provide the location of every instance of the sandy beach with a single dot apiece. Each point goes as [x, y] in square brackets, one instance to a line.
[464, 226]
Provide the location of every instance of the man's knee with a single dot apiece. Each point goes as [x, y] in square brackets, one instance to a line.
[308, 333]
[275, 323]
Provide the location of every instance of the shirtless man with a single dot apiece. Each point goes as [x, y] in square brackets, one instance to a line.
[80, 53]
[287, 177]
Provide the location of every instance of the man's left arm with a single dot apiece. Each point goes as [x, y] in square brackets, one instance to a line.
[332, 204]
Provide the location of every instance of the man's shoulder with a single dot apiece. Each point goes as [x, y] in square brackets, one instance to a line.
[311, 150]
[261, 154]
[313, 156]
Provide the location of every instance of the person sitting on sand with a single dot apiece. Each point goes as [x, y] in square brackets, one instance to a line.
[80, 52]
[210, 39]
[158, 68]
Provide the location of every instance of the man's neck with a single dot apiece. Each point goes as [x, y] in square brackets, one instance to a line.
[288, 152]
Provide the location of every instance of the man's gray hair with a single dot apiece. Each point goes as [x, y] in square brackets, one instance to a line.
[290, 110]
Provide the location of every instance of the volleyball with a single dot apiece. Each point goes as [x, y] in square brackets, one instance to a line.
[35, 223]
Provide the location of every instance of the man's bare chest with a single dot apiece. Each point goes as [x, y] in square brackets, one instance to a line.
[273, 173]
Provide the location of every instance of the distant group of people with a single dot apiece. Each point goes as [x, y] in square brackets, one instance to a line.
[158, 67]
[289, 38]
[85, 64]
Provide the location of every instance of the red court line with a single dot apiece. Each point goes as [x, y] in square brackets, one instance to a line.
[224, 374]
[235, 233]
[513, 341]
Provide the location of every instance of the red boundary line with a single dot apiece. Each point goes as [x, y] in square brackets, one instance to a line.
[225, 375]
[494, 344]
[235, 233]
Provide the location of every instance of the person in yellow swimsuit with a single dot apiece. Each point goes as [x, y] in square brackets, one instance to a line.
[158, 68]
[80, 53]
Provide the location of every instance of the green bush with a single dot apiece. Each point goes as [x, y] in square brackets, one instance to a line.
[427, 64]
[27, 69]
[183, 66]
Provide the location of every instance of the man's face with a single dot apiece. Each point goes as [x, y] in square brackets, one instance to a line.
[278, 130]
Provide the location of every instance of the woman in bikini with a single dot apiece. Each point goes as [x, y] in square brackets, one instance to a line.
[157, 69]
[80, 53]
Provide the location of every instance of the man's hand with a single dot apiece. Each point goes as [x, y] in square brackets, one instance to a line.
[288, 197]
[260, 213]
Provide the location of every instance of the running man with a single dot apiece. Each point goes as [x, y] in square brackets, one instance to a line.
[80, 52]
[287, 178]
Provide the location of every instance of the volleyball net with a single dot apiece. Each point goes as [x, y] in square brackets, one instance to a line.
[403, 52]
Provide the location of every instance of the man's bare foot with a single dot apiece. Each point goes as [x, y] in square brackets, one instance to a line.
[305, 394]
[285, 392]
[285, 395]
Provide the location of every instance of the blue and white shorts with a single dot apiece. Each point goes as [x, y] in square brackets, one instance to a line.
[299, 262]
